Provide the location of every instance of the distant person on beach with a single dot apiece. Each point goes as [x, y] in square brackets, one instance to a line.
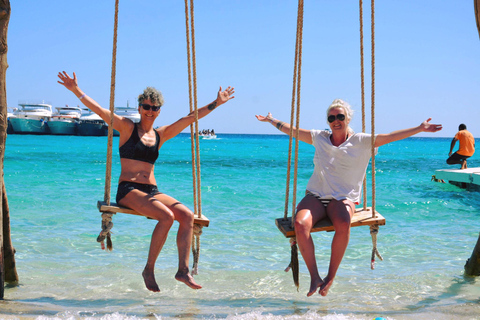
[341, 159]
[466, 148]
[137, 189]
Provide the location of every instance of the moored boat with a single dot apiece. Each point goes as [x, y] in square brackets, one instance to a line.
[31, 118]
[9, 128]
[65, 120]
[127, 112]
[90, 124]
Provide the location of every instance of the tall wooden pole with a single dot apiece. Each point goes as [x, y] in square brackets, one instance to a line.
[472, 267]
[4, 19]
[476, 5]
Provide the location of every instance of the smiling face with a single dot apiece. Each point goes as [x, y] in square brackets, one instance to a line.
[338, 125]
[148, 115]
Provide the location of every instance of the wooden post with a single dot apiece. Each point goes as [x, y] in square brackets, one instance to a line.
[472, 267]
[11, 276]
[476, 4]
[4, 19]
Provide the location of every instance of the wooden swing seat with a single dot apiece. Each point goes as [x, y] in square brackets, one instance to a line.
[360, 218]
[114, 208]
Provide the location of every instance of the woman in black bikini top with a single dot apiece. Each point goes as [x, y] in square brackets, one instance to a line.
[139, 147]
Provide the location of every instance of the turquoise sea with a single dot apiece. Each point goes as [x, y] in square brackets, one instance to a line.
[54, 182]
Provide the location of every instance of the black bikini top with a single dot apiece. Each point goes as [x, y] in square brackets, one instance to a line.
[135, 149]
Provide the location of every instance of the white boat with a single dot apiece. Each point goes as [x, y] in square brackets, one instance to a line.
[208, 137]
[127, 112]
[31, 118]
[90, 124]
[65, 120]
[9, 128]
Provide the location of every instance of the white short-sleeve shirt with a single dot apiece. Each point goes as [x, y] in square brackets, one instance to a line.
[339, 171]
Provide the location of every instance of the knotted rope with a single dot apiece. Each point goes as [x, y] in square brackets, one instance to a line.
[375, 228]
[195, 143]
[107, 222]
[297, 71]
[373, 233]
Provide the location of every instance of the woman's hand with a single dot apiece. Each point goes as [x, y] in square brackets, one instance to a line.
[264, 119]
[430, 127]
[224, 96]
[67, 81]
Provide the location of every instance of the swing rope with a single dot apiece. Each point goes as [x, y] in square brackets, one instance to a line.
[362, 78]
[195, 144]
[373, 228]
[297, 71]
[107, 223]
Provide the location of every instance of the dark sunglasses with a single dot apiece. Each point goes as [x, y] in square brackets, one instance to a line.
[147, 107]
[339, 116]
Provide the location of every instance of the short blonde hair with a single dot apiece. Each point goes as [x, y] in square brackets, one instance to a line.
[341, 104]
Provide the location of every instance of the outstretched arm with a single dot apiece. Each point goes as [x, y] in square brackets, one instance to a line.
[172, 130]
[425, 126]
[303, 135]
[452, 145]
[72, 85]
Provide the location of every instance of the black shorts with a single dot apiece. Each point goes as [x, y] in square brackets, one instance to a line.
[125, 187]
[456, 158]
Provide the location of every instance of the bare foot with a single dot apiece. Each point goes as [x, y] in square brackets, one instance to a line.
[186, 277]
[314, 285]
[464, 164]
[327, 283]
[149, 279]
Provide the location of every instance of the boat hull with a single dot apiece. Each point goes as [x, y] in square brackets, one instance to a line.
[63, 127]
[29, 126]
[92, 129]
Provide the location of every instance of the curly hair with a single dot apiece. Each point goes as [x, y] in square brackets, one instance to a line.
[341, 104]
[152, 94]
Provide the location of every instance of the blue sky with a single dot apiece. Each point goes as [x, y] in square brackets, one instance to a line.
[427, 58]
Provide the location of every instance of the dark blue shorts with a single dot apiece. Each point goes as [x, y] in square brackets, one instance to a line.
[125, 187]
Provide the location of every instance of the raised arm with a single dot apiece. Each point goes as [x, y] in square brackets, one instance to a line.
[303, 135]
[172, 130]
[72, 85]
[425, 126]
[452, 145]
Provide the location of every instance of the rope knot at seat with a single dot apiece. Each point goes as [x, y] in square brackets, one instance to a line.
[373, 232]
[107, 225]
[197, 232]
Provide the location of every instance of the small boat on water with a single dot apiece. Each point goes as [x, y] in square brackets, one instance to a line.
[127, 112]
[65, 120]
[90, 124]
[207, 134]
[31, 118]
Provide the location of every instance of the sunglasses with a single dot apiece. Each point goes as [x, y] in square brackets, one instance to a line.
[339, 116]
[147, 107]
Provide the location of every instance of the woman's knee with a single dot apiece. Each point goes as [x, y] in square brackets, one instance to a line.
[184, 215]
[302, 222]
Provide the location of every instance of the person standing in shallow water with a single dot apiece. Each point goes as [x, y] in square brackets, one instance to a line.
[466, 148]
[341, 159]
[137, 189]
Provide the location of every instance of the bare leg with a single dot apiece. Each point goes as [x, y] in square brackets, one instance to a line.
[340, 212]
[152, 208]
[309, 211]
[184, 238]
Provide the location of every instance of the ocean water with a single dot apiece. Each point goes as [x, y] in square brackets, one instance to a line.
[54, 182]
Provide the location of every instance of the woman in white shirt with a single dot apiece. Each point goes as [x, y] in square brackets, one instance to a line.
[341, 159]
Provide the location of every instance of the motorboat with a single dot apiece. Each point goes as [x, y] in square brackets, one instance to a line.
[127, 112]
[31, 118]
[65, 120]
[90, 124]
[9, 128]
